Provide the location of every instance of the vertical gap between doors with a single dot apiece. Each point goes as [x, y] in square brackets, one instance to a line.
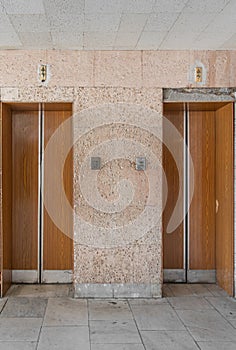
[40, 186]
[186, 191]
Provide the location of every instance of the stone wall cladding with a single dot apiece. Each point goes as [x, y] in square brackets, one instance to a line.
[90, 79]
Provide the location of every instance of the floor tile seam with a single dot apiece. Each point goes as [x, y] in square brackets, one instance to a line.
[186, 328]
[136, 325]
[225, 318]
[89, 326]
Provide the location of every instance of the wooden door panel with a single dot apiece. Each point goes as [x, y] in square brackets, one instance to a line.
[224, 196]
[25, 190]
[6, 195]
[58, 247]
[202, 210]
[173, 243]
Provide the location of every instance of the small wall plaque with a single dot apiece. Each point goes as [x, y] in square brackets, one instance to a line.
[198, 74]
[140, 163]
[95, 163]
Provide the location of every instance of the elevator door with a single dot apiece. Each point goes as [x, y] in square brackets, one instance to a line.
[201, 248]
[41, 253]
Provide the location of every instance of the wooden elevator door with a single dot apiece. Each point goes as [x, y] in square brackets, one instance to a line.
[57, 246]
[25, 140]
[206, 237]
[40, 251]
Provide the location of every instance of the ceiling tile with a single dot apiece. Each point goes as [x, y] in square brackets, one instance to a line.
[150, 40]
[9, 40]
[196, 6]
[139, 6]
[169, 5]
[1, 7]
[189, 22]
[64, 23]
[29, 23]
[105, 6]
[97, 39]
[23, 6]
[63, 7]
[223, 22]
[132, 22]
[127, 39]
[211, 41]
[65, 40]
[230, 44]
[179, 40]
[5, 24]
[160, 22]
[36, 40]
[101, 22]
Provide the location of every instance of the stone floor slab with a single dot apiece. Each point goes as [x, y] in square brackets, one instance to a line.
[14, 345]
[225, 306]
[189, 303]
[117, 347]
[114, 332]
[156, 317]
[2, 303]
[168, 340]
[179, 290]
[207, 325]
[199, 290]
[215, 290]
[115, 310]
[66, 312]
[20, 329]
[64, 338]
[40, 290]
[153, 302]
[217, 346]
[25, 307]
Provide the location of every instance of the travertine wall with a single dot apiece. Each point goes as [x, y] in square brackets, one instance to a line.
[117, 99]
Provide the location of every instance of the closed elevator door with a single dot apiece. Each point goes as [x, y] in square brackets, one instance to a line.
[41, 253]
[201, 247]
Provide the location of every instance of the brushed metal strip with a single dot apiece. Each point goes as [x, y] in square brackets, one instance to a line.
[234, 131]
[41, 190]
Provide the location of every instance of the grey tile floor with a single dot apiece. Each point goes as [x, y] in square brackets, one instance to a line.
[46, 317]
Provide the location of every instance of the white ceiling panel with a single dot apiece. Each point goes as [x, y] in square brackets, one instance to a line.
[127, 39]
[118, 24]
[73, 40]
[23, 6]
[30, 23]
[5, 24]
[36, 40]
[67, 24]
[93, 40]
[104, 6]
[230, 43]
[211, 41]
[196, 6]
[63, 7]
[133, 22]
[169, 5]
[189, 22]
[139, 6]
[102, 22]
[179, 41]
[162, 21]
[150, 40]
[9, 40]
